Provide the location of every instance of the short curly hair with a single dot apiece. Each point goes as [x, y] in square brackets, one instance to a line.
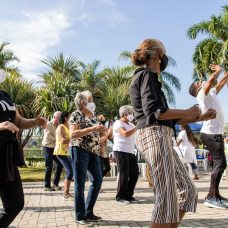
[81, 96]
[125, 110]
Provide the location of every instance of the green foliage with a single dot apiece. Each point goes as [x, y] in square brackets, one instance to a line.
[213, 49]
[167, 79]
[23, 95]
[6, 58]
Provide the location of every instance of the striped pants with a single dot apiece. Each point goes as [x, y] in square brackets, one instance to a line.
[171, 180]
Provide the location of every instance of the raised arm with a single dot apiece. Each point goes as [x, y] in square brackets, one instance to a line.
[222, 82]
[211, 80]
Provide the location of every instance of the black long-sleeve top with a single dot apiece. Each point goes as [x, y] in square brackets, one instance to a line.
[147, 98]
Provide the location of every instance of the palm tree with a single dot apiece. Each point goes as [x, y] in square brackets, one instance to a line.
[6, 59]
[67, 66]
[89, 78]
[22, 94]
[57, 93]
[114, 91]
[167, 79]
[214, 48]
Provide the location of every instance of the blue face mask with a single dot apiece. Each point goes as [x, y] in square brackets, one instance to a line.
[164, 62]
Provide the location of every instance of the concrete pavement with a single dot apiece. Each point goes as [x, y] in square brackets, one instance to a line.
[48, 209]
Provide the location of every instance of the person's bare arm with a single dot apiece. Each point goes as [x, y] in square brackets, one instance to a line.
[209, 114]
[207, 86]
[60, 131]
[179, 142]
[222, 82]
[126, 133]
[191, 113]
[24, 123]
[105, 137]
[75, 132]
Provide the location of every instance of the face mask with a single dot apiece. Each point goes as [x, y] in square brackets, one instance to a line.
[130, 117]
[2, 75]
[91, 107]
[164, 62]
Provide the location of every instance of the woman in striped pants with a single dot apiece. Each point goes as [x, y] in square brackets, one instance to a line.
[155, 124]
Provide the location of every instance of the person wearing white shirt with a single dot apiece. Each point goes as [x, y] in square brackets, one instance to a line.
[212, 131]
[123, 147]
[186, 142]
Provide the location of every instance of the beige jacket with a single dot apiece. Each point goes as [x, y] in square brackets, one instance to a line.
[49, 135]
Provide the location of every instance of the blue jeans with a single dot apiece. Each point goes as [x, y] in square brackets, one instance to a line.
[67, 164]
[49, 158]
[84, 161]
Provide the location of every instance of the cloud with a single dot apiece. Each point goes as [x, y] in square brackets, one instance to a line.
[33, 35]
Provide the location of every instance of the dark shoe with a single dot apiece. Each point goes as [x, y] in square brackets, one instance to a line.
[215, 203]
[123, 201]
[50, 189]
[56, 187]
[92, 218]
[133, 200]
[81, 222]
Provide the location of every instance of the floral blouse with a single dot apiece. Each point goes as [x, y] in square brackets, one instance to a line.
[89, 142]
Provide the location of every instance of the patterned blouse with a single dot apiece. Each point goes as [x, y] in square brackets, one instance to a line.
[90, 141]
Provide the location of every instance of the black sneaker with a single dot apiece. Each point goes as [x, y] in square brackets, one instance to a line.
[49, 189]
[133, 200]
[81, 222]
[92, 218]
[123, 201]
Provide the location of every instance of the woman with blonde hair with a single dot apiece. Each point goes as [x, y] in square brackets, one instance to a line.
[155, 128]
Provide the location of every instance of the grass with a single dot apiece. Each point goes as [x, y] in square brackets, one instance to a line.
[32, 174]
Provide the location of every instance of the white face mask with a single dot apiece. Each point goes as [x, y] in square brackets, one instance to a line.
[91, 107]
[2, 75]
[130, 117]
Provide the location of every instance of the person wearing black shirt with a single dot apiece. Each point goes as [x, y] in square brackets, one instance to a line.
[11, 191]
[155, 128]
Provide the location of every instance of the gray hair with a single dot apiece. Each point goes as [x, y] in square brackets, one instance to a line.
[81, 96]
[125, 110]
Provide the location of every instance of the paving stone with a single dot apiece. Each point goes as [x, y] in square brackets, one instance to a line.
[46, 210]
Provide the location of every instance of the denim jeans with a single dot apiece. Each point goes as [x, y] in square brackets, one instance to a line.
[67, 164]
[49, 158]
[12, 196]
[85, 162]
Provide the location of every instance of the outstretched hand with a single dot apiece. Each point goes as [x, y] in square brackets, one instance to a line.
[41, 122]
[215, 68]
[208, 115]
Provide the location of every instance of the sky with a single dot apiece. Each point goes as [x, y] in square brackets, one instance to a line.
[101, 29]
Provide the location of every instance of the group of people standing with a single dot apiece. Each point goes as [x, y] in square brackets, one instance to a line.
[85, 138]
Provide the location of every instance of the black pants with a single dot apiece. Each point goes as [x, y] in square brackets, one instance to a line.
[49, 158]
[105, 166]
[215, 145]
[128, 175]
[12, 197]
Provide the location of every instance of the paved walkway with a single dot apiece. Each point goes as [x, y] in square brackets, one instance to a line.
[48, 209]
